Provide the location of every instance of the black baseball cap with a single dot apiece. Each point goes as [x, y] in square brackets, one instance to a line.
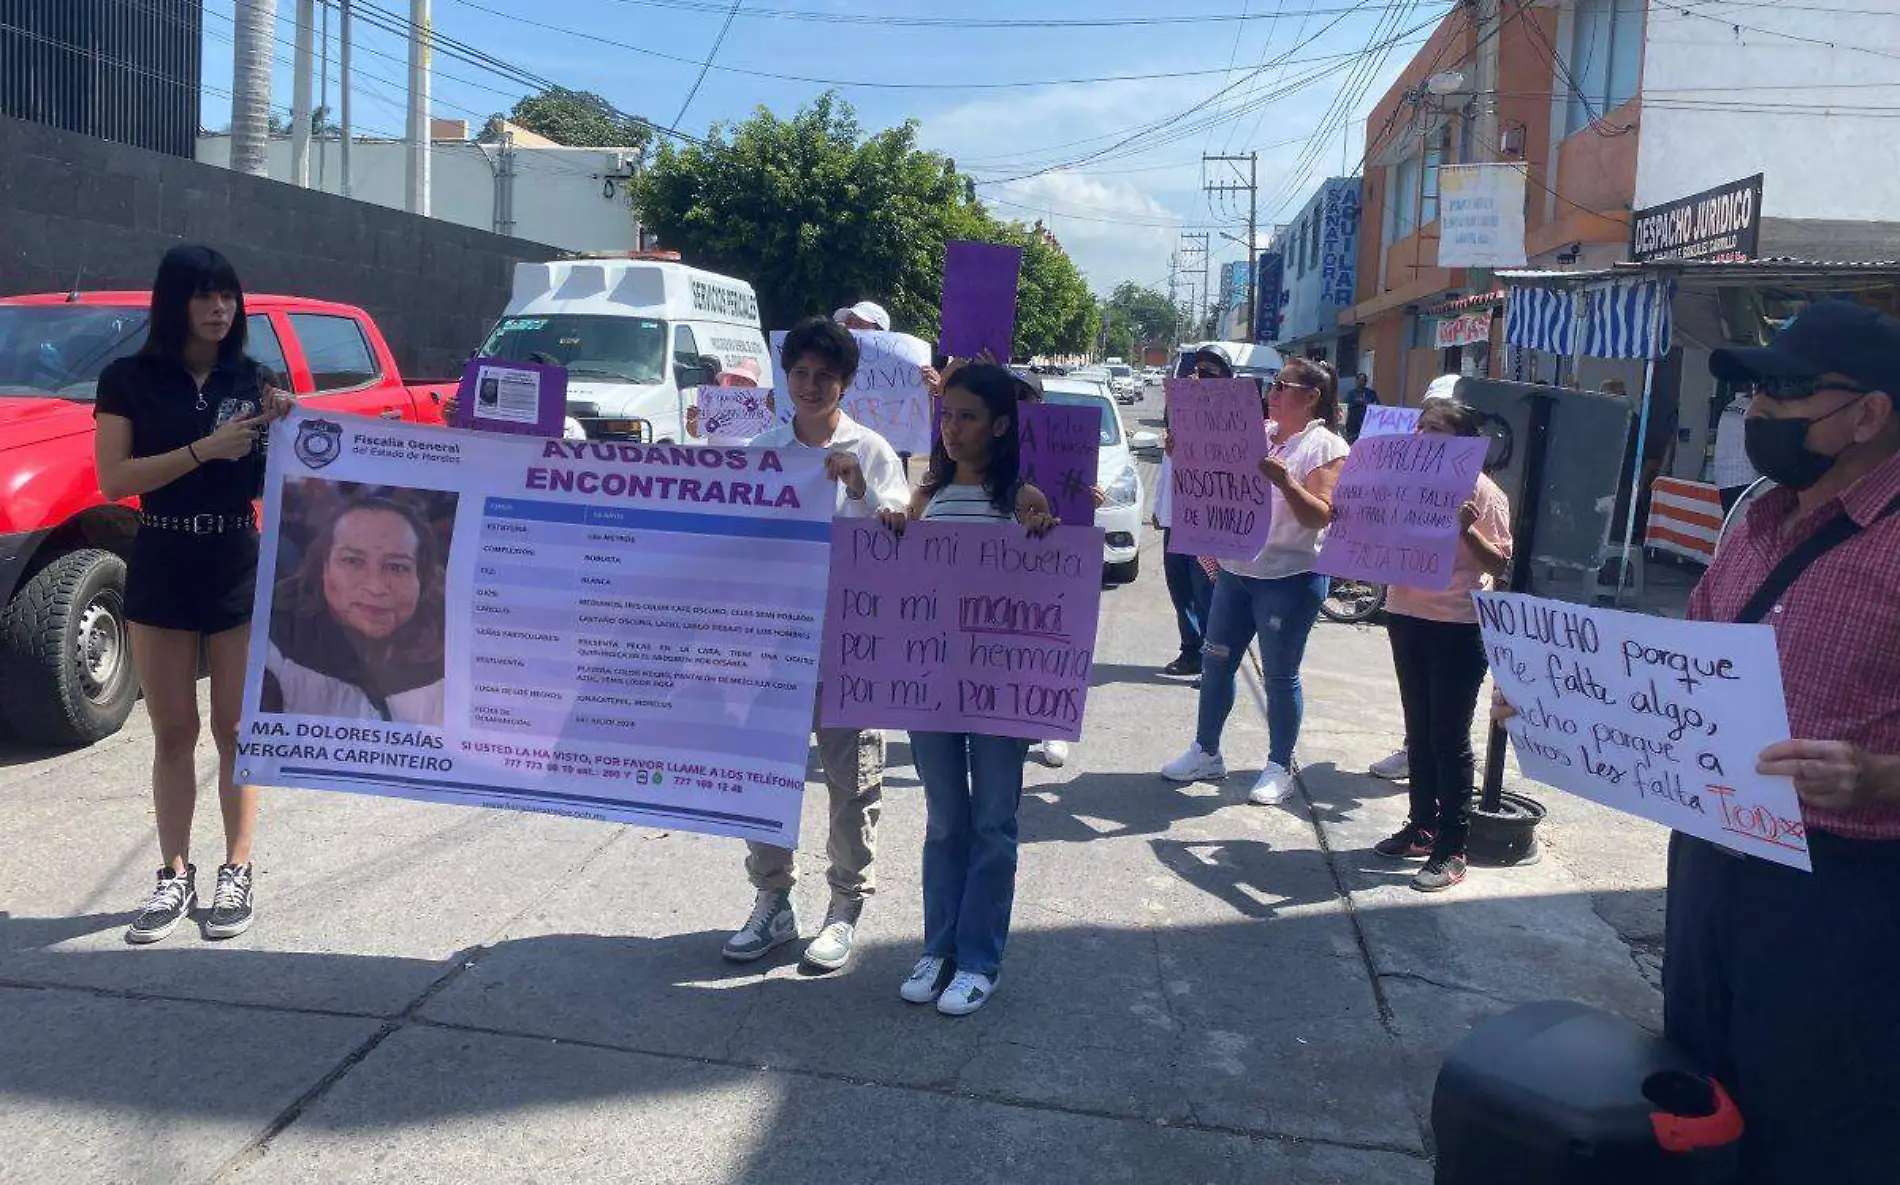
[1827, 337]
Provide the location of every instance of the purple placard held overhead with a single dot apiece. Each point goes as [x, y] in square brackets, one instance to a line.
[1061, 451]
[1395, 509]
[960, 627]
[524, 398]
[979, 298]
[1222, 504]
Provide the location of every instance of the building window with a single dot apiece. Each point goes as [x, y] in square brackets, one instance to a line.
[1312, 241]
[1435, 151]
[1605, 60]
[1404, 199]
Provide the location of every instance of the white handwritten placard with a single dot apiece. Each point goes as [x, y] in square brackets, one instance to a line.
[1388, 421]
[1649, 715]
[887, 395]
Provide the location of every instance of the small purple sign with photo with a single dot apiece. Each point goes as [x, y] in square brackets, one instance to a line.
[522, 398]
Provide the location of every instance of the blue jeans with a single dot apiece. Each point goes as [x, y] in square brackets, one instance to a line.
[972, 784]
[1189, 589]
[1282, 613]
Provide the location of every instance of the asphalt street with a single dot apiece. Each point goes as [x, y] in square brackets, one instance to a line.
[1196, 989]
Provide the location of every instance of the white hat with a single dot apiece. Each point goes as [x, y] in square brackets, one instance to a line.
[865, 310]
[1441, 387]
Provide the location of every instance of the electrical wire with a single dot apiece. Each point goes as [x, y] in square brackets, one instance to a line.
[718, 41]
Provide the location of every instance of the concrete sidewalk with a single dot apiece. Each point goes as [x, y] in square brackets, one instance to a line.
[1196, 989]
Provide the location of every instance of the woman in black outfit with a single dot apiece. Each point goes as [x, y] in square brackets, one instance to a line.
[179, 427]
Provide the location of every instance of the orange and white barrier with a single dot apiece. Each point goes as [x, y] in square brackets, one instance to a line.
[1685, 517]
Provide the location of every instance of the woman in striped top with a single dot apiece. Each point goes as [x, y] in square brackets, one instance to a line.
[972, 781]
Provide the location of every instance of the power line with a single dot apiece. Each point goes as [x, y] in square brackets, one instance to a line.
[707, 64]
[900, 21]
[841, 83]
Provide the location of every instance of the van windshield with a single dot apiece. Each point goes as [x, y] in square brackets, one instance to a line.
[614, 349]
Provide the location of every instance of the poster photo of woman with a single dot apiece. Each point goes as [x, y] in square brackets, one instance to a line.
[357, 616]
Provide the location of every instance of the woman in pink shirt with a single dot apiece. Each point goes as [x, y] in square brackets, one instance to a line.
[1439, 656]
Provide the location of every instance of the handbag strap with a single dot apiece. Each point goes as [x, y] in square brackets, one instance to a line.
[1831, 535]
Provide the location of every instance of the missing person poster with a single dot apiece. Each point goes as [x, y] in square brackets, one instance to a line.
[599, 629]
[497, 395]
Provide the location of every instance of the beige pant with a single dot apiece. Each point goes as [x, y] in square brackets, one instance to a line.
[854, 775]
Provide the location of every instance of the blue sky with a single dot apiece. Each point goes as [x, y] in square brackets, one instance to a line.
[1267, 83]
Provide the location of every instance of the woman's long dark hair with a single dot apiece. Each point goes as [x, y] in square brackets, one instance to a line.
[1000, 390]
[1463, 419]
[186, 271]
[420, 639]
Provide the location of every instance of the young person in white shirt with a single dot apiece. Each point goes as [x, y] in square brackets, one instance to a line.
[1276, 595]
[819, 358]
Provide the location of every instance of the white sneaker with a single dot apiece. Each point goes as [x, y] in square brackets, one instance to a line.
[1195, 765]
[1056, 753]
[1274, 786]
[966, 993]
[927, 980]
[1395, 768]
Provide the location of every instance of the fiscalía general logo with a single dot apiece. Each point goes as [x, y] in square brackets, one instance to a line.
[319, 442]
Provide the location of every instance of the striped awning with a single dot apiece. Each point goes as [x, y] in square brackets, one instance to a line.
[1628, 319]
[1541, 319]
[1618, 319]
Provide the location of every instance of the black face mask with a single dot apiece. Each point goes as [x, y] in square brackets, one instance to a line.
[1778, 449]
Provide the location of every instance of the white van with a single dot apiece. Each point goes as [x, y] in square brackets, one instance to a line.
[637, 332]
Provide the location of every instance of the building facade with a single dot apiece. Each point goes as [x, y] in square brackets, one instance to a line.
[1610, 106]
[1319, 274]
[572, 198]
[123, 72]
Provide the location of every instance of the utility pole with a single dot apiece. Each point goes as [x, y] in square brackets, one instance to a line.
[419, 55]
[1197, 244]
[323, 90]
[1252, 189]
[1486, 82]
[1174, 306]
[254, 29]
[300, 68]
[344, 82]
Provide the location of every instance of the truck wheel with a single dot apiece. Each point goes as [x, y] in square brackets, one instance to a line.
[66, 653]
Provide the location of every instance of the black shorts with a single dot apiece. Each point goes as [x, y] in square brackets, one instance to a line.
[202, 584]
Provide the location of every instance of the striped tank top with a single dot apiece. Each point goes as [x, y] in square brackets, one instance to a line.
[964, 504]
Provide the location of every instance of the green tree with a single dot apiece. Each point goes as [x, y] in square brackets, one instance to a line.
[578, 119]
[817, 213]
[1142, 315]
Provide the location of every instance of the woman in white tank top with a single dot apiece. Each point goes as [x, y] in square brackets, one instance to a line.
[972, 781]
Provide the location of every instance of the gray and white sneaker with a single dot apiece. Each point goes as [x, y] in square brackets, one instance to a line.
[832, 948]
[1395, 767]
[231, 911]
[171, 903]
[968, 992]
[772, 925]
[927, 979]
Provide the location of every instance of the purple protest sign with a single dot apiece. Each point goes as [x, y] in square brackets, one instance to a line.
[960, 627]
[523, 398]
[1395, 509]
[1061, 451]
[1222, 505]
[979, 299]
[731, 415]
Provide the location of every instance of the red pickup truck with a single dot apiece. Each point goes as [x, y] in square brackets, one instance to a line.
[66, 675]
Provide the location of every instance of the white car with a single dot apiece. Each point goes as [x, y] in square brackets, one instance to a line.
[1120, 515]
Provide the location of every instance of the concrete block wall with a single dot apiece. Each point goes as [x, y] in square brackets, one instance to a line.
[78, 209]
